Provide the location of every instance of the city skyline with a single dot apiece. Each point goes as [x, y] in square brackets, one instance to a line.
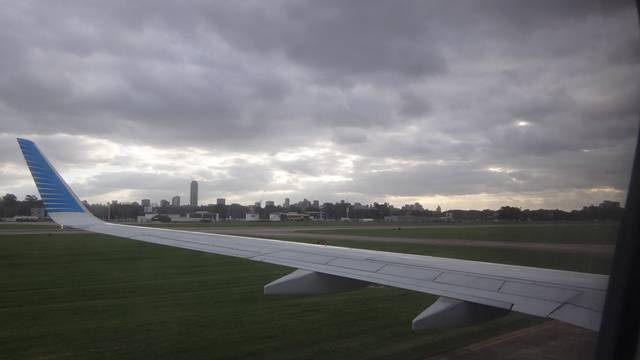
[213, 199]
[305, 204]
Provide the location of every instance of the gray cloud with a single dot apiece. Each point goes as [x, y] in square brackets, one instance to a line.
[546, 89]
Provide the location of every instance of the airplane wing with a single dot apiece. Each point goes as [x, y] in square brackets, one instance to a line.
[469, 291]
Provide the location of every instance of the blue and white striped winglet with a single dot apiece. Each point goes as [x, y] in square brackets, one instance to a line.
[54, 191]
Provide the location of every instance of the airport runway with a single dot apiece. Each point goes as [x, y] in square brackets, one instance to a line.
[295, 232]
[551, 340]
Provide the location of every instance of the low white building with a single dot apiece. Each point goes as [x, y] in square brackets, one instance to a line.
[275, 217]
[252, 217]
[146, 217]
[198, 216]
[203, 216]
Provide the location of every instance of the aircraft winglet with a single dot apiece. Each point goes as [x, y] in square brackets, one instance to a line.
[57, 196]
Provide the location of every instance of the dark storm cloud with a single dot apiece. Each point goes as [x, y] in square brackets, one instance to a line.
[547, 89]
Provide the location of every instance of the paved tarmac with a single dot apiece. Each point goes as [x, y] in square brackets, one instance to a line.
[551, 340]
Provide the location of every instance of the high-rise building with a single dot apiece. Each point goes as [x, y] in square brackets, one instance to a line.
[175, 201]
[164, 203]
[221, 201]
[258, 204]
[193, 200]
[145, 202]
[269, 203]
[305, 204]
[316, 203]
[286, 202]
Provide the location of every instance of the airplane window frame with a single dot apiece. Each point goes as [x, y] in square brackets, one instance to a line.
[620, 328]
[619, 331]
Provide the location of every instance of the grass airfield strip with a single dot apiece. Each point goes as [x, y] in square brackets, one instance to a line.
[98, 297]
[581, 233]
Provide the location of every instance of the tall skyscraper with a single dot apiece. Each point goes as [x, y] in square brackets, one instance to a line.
[286, 202]
[175, 201]
[221, 201]
[145, 202]
[194, 194]
[305, 204]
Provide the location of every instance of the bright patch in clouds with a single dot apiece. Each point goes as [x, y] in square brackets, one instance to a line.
[500, 170]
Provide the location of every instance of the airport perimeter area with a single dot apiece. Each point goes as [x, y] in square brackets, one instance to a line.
[70, 294]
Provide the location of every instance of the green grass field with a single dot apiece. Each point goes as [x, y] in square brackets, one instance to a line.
[98, 297]
[28, 226]
[583, 233]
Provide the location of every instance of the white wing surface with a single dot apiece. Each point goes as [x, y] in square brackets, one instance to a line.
[469, 291]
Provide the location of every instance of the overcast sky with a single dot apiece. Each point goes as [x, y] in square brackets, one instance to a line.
[465, 104]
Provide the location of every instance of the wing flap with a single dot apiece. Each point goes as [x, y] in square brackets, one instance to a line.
[470, 281]
[576, 315]
[542, 292]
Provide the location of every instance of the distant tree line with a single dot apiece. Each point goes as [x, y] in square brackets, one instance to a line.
[606, 210]
[10, 206]
[116, 210]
